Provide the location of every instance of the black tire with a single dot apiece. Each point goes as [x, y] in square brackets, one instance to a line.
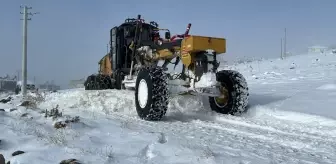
[104, 82]
[89, 83]
[98, 82]
[238, 95]
[119, 78]
[157, 101]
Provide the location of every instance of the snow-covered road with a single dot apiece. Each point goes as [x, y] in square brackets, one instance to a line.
[291, 119]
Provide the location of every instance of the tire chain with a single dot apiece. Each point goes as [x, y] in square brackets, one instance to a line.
[240, 89]
[160, 94]
[98, 82]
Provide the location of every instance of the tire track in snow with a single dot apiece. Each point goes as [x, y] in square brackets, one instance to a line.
[234, 138]
[285, 139]
[287, 129]
[262, 137]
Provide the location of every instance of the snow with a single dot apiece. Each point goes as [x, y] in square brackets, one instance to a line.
[328, 87]
[207, 80]
[291, 119]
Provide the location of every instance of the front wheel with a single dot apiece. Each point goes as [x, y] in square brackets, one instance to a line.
[234, 91]
[151, 93]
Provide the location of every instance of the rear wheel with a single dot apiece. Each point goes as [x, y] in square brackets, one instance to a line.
[151, 93]
[119, 76]
[104, 82]
[90, 82]
[98, 82]
[234, 91]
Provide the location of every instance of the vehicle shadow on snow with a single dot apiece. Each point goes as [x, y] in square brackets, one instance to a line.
[200, 108]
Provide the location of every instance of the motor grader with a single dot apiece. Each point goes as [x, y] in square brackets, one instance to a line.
[136, 50]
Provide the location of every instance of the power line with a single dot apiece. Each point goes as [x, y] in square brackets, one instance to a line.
[25, 19]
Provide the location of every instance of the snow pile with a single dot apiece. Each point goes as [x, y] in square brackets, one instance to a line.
[207, 80]
[291, 119]
[328, 87]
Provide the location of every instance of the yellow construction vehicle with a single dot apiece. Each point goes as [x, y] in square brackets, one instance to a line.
[133, 63]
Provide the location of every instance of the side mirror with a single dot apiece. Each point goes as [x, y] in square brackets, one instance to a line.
[167, 35]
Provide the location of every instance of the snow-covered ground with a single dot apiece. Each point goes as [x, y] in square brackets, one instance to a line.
[291, 119]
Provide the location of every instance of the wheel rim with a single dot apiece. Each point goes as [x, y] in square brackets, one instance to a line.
[142, 93]
[223, 100]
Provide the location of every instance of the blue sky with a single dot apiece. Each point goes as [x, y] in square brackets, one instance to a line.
[67, 38]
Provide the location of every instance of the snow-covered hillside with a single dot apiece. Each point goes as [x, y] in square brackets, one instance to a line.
[291, 119]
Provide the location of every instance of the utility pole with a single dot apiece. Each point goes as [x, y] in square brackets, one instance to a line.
[18, 75]
[281, 54]
[285, 43]
[24, 51]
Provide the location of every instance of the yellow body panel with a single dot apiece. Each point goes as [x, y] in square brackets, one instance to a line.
[165, 53]
[195, 43]
[105, 66]
[186, 59]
